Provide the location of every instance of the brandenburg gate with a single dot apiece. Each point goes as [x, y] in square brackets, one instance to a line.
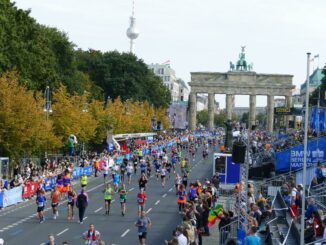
[240, 80]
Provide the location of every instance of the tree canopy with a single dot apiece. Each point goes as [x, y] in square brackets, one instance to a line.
[44, 56]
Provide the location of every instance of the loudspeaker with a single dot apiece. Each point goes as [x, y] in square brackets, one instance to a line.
[238, 152]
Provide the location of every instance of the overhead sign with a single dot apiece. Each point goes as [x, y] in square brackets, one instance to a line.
[282, 111]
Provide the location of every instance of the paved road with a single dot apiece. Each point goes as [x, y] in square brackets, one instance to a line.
[18, 225]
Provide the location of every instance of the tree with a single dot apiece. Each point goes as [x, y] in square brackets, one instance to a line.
[219, 119]
[313, 100]
[70, 117]
[261, 118]
[123, 75]
[202, 117]
[245, 118]
[23, 128]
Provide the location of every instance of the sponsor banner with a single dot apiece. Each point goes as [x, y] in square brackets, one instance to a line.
[87, 170]
[12, 196]
[292, 158]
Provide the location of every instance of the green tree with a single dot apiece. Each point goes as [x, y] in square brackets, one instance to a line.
[220, 118]
[123, 75]
[202, 117]
[245, 118]
[313, 100]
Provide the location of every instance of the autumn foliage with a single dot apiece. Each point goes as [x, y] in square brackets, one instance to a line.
[25, 130]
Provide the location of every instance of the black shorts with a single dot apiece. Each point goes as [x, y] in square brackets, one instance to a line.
[54, 205]
[142, 235]
[162, 176]
[72, 203]
[108, 201]
[40, 209]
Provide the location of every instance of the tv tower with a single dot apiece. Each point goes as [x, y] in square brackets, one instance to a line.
[132, 31]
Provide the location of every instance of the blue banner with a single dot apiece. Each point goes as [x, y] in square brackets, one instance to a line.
[1, 199]
[318, 119]
[47, 184]
[87, 170]
[12, 196]
[293, 157]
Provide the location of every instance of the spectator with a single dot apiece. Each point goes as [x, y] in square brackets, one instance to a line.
[318, 227]
[312, 207]
[252, 238]
[319, 173]
[182, 239]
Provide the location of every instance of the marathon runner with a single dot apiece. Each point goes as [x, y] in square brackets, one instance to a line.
[123, 167]
[83, 180]
[40, 202]
[123, 198]
[55, 198]
[106, 169]
[130, 170]
[141, 199]
[182, 198]
[142, 182]
[116, 181]
[177, 182]
[71, 196]
[143, 223]
[91, 236]
[163, 175]
[157, 165]
[108, 192]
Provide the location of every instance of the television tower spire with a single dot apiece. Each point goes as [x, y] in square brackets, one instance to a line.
[132, 31]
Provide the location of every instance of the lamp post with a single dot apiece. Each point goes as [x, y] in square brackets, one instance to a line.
[47, 109]
[84, 110]
[305, 154]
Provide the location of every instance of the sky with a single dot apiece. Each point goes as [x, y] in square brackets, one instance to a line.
[197, 35]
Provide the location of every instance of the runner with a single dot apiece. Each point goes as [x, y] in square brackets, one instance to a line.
[91, 236]
[157, 165]
[177, 182]
[123, 198]
[149, 169]
[185, 179]
[142, 182]
[135, 161]
[82, 203]
[182, 198]
[141, 199]
[122, 171]
[108, 192]
[163, 175]
[71, 196]
[106, 169]
[83, 180]
[174, 161]
[55, 198]
[143, 166]
[168, 166]
[143, 223]
[130, 170]
[116, 181]
[40, 202]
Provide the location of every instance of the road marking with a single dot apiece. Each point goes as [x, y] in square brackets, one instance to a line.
[150, 209]
[170, 189]
[98, 209]
[60, 233]
[164, 195]
[157, 202]
[85, 218]
[125, 233]
[131, 189]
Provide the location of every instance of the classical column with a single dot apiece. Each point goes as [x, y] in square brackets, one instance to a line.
[192, 110]
[288, 105]
[270, 113]
[252, 110]
[229, 108]
[211, 100]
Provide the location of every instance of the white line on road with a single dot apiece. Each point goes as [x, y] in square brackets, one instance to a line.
[85, 218]
[125, 233]
[150, 209]
[157, 202]
[131, 189]
[60, 233]
[98, 209]
[170, 189]
[164, 195]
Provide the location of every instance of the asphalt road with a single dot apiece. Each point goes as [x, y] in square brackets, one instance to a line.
[19, 225]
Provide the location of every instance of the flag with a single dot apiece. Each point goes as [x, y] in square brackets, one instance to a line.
[316, 56]
[215, 214]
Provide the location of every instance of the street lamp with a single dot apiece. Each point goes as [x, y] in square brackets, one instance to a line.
[47, 109]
